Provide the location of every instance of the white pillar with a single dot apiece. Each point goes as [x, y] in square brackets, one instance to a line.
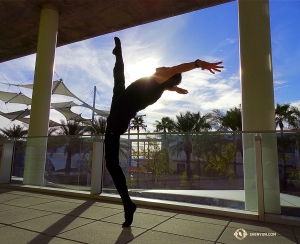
[41, 96]
[258, 100]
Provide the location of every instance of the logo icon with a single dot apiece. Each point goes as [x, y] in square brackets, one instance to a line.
[240, 234]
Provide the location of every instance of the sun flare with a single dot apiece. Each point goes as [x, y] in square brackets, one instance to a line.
[145, 67]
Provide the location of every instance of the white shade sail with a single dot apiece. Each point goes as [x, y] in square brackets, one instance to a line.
[16, 115]
[64, 108]
[12, 97]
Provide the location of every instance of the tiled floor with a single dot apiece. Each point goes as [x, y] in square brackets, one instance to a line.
[27, 217]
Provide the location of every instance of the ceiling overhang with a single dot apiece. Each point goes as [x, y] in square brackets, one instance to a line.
[82, 19]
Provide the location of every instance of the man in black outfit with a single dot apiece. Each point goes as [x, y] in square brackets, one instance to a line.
[127, 102]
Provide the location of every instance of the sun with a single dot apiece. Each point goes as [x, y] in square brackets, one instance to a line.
[145, 67]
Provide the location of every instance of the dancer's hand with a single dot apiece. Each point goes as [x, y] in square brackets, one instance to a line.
[211, 67]
[181, 90]
[178, 90]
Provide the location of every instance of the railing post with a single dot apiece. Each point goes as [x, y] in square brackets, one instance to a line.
[259, 175]
[97, 166]
[6, 162]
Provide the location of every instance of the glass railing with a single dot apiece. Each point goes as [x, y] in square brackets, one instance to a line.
[244, 171]
[64, 162]
[288, 170]
[204, 168]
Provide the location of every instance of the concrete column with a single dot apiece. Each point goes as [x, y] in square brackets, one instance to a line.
[41, 96]
[258, 100]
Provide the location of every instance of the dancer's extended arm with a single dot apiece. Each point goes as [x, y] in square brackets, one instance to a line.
[163, 74]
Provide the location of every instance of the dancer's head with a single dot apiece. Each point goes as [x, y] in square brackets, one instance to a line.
[172, 81]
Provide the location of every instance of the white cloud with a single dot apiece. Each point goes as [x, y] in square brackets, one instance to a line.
[206, 92]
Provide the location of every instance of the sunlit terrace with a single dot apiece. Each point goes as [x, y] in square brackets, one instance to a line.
[175, 203]
[202, 172]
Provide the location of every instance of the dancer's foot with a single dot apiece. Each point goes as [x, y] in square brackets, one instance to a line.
[129, 212]
[117, 49]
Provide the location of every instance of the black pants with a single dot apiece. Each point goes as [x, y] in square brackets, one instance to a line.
[112, 136]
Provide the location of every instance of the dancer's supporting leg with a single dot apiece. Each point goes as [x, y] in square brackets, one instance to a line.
[112, 141]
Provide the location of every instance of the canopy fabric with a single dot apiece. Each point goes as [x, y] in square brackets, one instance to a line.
[27, 120]
[63, 105]
[69, 114]
[64, 108]
[19, 115]
[102, 113]
[16, 115]
[12, 97]
[60, 88]
[87, 121]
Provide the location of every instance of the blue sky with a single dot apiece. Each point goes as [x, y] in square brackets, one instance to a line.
[210, 34]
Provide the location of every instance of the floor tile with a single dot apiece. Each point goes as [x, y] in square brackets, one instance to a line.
[156, 212]
[27, 201]
[78, 200]
[108, 205]
[4, 207]
[27, 193]
[228, 237]
[256, 226]
[141, 220]
[204, 218]
[18, 214]
[53, 224]
[57, 206]
[12, 235]
[154, 237]
[53, 240]
[102, 232]
[92, 212]
[204, 231]
[297, 232]
[4, 197]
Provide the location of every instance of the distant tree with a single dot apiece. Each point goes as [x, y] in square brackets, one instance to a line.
[284, 115]
[15, 131]
[72, 130]
[230, 121]
[98, 126]
[138, 123]
[165, 125]
[158, 161]
[186, 125]
[53, 128]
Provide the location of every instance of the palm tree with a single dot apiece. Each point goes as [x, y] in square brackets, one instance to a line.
[296, 124]
[98, 126]
[15, 131]
[232, 120]
[284, 115]
[137, 123]
[165, 125]
[72, 144]
[187, 124]
[52, 128]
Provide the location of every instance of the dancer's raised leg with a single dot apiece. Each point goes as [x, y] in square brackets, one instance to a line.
[118, 71]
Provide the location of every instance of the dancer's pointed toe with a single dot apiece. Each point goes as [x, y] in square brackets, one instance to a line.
[117, 49]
